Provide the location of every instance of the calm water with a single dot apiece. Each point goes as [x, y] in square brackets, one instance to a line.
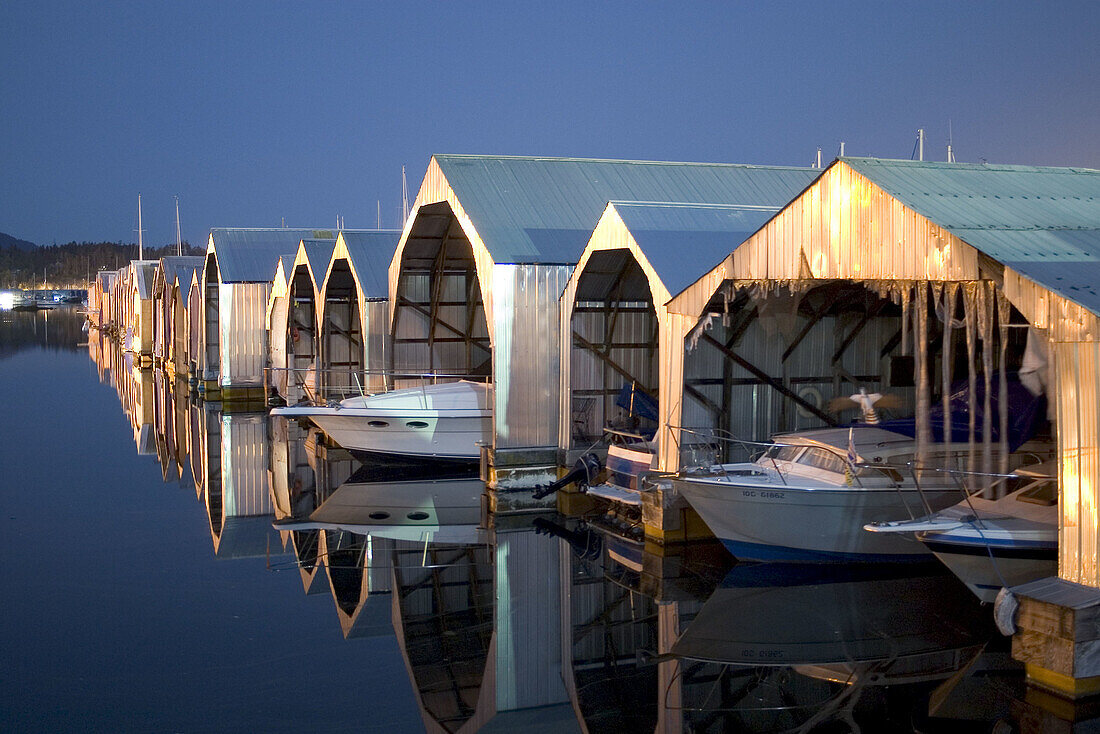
[147, 589]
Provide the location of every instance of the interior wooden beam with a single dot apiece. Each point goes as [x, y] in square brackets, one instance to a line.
[597, 350]
[765, 377]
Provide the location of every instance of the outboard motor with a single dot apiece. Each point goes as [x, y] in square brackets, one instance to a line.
[584, 472]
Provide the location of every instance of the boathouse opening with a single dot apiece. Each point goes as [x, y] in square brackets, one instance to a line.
[211, 331]
[301, 336]
[767, 358]
[342, 353]
[439, 323]
[613, 366]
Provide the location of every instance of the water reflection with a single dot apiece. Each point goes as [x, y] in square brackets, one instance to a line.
[555, 624]
[54, 329]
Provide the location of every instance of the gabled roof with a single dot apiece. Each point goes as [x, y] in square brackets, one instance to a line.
[177, 267]
[317, 254]
[250, 255]
[1042, 222]
[143, 273]
[542, 210]
[682, 240]
[370, 253]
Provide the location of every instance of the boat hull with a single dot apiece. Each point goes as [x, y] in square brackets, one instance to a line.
[985, 566]
[820, 525]
[416, 434]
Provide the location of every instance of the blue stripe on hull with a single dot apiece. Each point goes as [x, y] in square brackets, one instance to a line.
[760, 552]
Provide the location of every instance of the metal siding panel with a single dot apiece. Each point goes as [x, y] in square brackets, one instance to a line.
[526, 360]
[243, 337]
[528, 648]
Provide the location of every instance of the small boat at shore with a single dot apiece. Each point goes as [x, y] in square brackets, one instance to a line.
[994, 543]
[446, 422]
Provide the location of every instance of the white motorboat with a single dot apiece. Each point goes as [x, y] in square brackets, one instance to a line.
[439, 511]
[808, 496]
[447, 421]
[995, 543]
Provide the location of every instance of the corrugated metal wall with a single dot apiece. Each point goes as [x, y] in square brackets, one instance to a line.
[587, 372]
[756, 411]
[241, 314]
[376, 341]
[526, 364]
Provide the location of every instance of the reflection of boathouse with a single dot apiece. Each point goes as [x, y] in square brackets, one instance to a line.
[479, 632]
[235, 484]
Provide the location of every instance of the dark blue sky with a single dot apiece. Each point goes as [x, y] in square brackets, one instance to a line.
[256, 111]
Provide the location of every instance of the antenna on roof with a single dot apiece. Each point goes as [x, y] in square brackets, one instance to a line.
[141, 247]
[817, 161]
[179, 240]
[918, 148]
[378, 224]
[283, 223]
[841, 148]
[950, 151]
[404, 198]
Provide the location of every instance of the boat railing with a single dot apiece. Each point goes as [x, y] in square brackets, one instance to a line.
[855, 472]
[298, 385]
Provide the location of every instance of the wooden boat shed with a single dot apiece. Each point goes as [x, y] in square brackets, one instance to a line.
[236, 286]
[981, 263]
[171, 288]
[277, 322]
[295, 333]
[613, 308]
[491, 242]
[354, 321]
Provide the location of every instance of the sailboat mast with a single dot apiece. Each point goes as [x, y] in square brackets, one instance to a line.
[141, 247]
[179, 239]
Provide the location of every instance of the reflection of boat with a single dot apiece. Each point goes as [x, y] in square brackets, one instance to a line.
[855, 621]
[802, 501]
[447, 421]
[990, 544]
[441, 510]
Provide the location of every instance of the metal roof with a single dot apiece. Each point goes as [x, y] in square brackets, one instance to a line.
[318, 253]
[682, 240]
[251, 255]
[174, 267]
[370, 252]
[543, 210]
[144, 272]
[1044, 223]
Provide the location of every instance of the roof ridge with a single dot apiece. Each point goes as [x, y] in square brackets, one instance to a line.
[566, 159]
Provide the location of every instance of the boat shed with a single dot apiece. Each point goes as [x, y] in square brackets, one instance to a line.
[355, 334]
[99, 297]
[300, 331]
[138, 309]
[613, 307]
[484, 257]
[973, 270]
[170, 309]
[236, 286]
[278, 314]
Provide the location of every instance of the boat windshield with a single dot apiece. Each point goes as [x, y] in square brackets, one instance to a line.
[781, 453]
[822, 459]
[1043, 492]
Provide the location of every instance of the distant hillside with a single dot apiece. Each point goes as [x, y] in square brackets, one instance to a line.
[7, 241]
[70, 265]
